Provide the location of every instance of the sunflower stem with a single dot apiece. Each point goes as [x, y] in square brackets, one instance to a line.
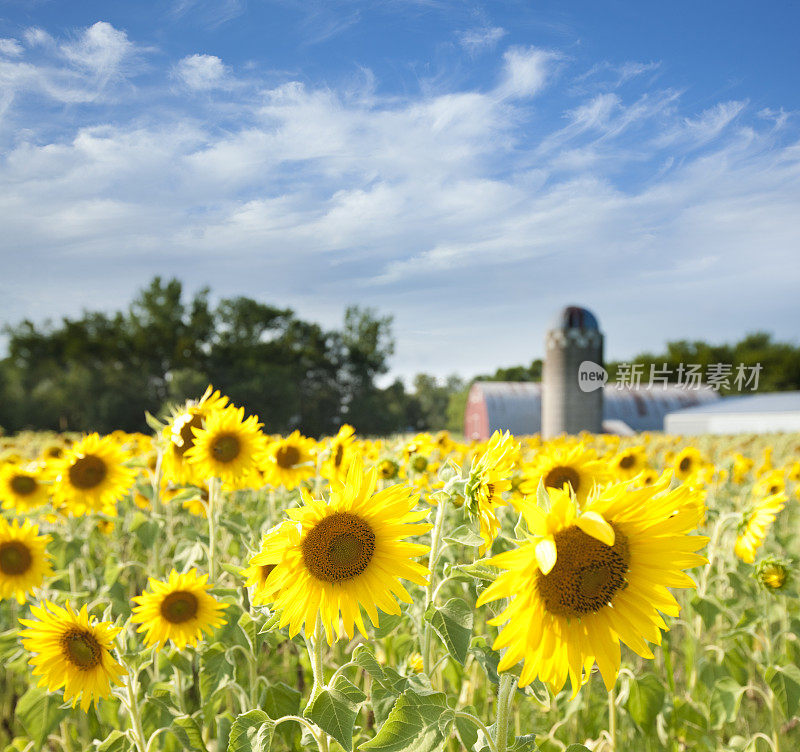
[433, 557]
[212, 528]
[131, 684]
[612, 719]
[505, 695]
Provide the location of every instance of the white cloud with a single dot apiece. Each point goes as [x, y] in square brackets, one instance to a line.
[706, 127]
[525, 72]
[201, 72]
[10, 48]
[36, 37]
[481, 39]
[101, 49]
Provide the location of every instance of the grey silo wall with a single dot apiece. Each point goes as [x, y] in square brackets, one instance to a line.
[565, 408]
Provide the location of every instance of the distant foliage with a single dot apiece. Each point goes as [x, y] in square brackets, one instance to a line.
[100, 371]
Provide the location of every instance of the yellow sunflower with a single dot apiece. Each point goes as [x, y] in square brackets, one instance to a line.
[288, 462]
[348, 553]
[755, 524]
[178, 435]
[687, 463]
[92, 477]
[489, 478]
[388, 468]
[589, 576]
[259, 569]
[341, 452]
[24, 561]
[228, 447]
[73, 651]
[23, 488]
[770, 484]
[573, 464]
[629, 462]
[741, 468]
[180, 610]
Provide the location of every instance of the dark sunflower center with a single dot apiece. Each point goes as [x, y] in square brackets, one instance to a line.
[23, 485]
[54, 452]
[81, 649]
[338, 455]
[627, 462]
[186, 433]
[419, 463]
[15, 558]
[179, 607]
[87, 472]
[287, 456]
[388, 469]
[587, 574]
[774, 489]
[338, 547]
[225, 448]
[558, 476]
[685, 464]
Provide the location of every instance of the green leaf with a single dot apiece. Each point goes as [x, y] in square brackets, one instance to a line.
[707, 609]
[251, 732]
[527, 743]
[214, 668]
[250, 630]
[271, 624]
[188, 733]
[335, 709]
[417, 723]
[365, 658]
[387, 624]
[116, 741]
[487, 657]
[784, 681]
[542, 497]
[345, 687]
[465, 536]
[725, 699]
[153, 422]
[467, 729]
[577, 748]
[9, 643]
[645, 701]
[453, 624]
[281, 700]
[39, 712]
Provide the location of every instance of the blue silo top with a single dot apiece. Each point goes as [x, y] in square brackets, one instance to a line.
[575, 317]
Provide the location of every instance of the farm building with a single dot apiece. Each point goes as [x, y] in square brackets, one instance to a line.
[517, 407]
[757, 413]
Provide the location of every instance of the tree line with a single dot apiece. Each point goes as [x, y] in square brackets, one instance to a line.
[100, 372]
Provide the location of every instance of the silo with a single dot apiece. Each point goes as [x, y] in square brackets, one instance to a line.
[573, 339]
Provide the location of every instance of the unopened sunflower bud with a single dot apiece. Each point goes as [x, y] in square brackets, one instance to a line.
[773, 574]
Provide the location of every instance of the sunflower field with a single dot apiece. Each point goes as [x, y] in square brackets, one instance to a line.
[213, 587]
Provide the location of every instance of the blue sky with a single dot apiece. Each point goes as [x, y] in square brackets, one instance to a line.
[468, 168]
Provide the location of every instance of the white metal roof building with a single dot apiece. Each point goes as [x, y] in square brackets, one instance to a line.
[757, 413]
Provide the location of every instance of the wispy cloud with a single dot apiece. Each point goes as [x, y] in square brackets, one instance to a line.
[481, 39]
